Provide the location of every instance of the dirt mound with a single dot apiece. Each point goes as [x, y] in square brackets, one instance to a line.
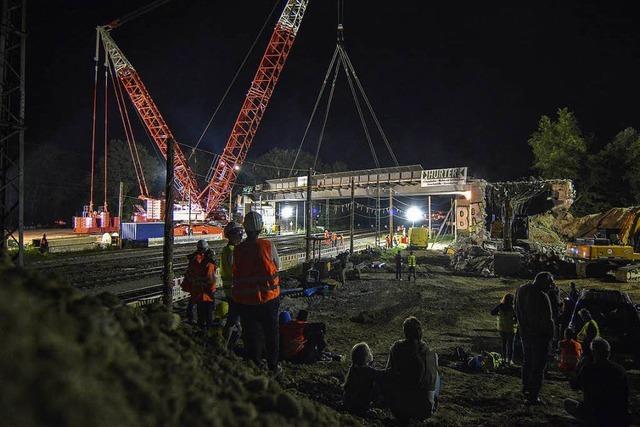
[74, 360]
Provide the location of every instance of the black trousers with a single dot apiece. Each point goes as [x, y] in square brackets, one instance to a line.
[398, 272]
[259, 321]
[205, 313]
[315, 343]
[412, 273]
[535, 352]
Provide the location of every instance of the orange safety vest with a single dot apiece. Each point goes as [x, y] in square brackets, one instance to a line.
[570, 352]
[200, 278]
[255, 274]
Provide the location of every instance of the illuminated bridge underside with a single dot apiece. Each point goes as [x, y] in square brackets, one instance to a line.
[403, 180]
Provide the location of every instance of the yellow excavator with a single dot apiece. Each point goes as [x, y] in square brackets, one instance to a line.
[616, 249]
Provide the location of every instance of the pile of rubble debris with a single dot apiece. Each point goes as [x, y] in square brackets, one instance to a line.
[478, 258]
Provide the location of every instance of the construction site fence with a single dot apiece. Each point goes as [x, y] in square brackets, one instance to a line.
[286, 262]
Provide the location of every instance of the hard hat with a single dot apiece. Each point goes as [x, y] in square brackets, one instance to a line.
[253, 222]
[285, 317]
[232, 228]
[202, 245]
[222, 309]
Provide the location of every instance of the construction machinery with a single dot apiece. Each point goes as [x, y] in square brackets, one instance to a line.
[224, 169]
[613, 246]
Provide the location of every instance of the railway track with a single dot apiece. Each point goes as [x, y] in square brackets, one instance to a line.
[93, 271]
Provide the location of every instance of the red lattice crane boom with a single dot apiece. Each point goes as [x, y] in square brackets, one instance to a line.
[222, 177]
[149, 113]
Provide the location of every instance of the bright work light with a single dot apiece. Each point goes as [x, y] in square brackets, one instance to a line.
[286, 212]
[414, 214]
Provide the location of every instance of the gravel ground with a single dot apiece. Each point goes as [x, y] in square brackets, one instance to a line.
[454, 311]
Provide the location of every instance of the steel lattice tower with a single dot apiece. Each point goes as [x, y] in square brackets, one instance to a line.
[12, 109]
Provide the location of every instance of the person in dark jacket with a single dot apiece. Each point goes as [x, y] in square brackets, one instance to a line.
[605, 388]
[361, 386]
[413, 380]
[506, 325]
[398, 259]
[535, 323]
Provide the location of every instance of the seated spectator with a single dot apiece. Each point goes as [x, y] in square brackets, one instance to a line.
[605, 388]
[413, 382]
[588, 332]
[361, 386]
[302, 341]
[570, 352]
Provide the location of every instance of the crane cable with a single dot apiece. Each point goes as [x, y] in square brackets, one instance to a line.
[106, 133]
[326, 113]
[136, 13]
[128, 130]
[315, 108]
[233, 80]
[93, 125]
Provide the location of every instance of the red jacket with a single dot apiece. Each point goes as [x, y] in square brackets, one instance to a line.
[570, 352]
[292, 339]
[200, 278]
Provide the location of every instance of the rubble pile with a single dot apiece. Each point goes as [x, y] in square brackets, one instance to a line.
[470, 257]
[75, 360]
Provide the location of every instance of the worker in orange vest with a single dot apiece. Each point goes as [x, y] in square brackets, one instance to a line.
[200, 282]
[256, 292]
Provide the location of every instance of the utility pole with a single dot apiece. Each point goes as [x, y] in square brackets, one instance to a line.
[230, 205]
[391, 212]
[13, 41]
[352, 214]
[455, 219]
[167, 250]
[189, 220]
[378, 211]
[120, 208]
[307, 214]
[429, 203]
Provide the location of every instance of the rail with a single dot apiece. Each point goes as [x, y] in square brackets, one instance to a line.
[153, 294]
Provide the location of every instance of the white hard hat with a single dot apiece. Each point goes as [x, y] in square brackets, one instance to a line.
[202, 245]
[253, 222]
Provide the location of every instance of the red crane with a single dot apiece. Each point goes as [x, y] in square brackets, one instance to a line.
[223, 176]
[149, 113]
[223, 173]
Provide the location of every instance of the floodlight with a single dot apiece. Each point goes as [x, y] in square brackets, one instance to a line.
[236, 167]
[414, 214]
[286, 212]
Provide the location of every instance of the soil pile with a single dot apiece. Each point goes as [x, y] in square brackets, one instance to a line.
[75, 360]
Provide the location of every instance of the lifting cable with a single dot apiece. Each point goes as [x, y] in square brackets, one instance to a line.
[93, 125]
[128, 130]
[233, 80]
[106, 131]
[326, 113]
[352, 77]
[315, 108]
[136, 13]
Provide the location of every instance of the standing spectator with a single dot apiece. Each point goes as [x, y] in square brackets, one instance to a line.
[200, 282]
[573, 294]
[398, 259]
[233, 232]
[605, 388]
[44, 244]
[256, 291]
[411, 261]
[535, 322]
[506, 325]
[413, 378]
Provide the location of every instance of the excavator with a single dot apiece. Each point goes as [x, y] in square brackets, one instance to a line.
[610, 249]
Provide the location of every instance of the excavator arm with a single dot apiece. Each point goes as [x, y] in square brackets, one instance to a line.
[222, 177]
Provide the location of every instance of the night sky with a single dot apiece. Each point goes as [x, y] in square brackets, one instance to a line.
[454, 84]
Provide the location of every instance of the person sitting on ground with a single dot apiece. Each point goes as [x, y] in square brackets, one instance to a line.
[200, 282]
[362, 382]
[570, 352]
[413, 382]
[506, 325]
[605, 388]
[302, 341]
[588, 332]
